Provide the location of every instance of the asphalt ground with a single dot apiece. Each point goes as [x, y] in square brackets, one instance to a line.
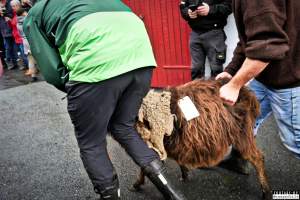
[15, 78]
[39, 158]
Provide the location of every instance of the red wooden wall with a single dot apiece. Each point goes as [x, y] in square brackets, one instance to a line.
[169, 35]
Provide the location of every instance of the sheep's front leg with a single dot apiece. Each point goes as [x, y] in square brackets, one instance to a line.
[140, 181]
[184, 174]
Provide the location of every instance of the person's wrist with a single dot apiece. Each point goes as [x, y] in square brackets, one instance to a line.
[235, 83]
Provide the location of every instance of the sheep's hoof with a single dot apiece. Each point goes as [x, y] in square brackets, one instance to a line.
[185, 179]
[236, 165]
[184, 174]
[135, 188]
[267, 195]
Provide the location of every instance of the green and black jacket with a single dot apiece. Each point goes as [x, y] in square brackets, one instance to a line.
[88, 40]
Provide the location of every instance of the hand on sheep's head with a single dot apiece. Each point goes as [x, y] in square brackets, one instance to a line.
[229, 93]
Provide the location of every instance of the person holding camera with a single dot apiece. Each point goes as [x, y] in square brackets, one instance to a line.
[207, 19]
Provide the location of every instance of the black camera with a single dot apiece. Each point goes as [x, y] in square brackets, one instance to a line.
[193, 7]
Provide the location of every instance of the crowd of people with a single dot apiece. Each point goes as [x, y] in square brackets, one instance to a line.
[14, 46]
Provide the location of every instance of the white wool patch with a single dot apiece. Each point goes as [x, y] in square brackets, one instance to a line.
[155, 120]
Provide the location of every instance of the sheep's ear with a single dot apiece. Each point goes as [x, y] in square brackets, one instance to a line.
[141, 116]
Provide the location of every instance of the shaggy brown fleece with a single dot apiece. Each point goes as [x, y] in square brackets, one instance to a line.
[204, 141]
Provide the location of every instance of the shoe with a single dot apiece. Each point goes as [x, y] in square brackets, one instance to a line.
[27, 73]
[16, 65]
[34, 79]
[156, 172]
[236, 163]
[30, 71]
[10, 66]
[21, 68]
[111, 192]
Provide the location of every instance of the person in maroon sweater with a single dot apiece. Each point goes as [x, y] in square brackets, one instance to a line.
[268, 55]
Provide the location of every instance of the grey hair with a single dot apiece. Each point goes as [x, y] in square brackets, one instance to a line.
[15, 2]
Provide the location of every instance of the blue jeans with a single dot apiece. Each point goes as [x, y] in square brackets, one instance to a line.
[285, 105]
[11, 50]
[23, 56]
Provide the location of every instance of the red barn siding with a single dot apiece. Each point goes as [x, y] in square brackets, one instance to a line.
[169, 37]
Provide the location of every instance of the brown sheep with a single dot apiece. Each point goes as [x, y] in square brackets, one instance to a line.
[204, 141]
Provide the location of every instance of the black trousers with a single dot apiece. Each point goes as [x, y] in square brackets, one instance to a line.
[109, 106]
[2, 51]
[212, 45]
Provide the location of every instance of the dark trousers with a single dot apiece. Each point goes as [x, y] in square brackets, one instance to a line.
[11, 50]
[210, 44]
[2, 51]
[111, 105]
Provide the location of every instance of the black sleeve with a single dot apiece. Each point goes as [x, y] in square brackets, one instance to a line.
[9, 11]
[184, 6]
[237, 60]
[222, 9]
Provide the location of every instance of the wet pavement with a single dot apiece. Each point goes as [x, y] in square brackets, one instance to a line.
[39, 157]
[15, 78]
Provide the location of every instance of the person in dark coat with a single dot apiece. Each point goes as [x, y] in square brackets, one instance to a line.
[207, 19]
[268, 54]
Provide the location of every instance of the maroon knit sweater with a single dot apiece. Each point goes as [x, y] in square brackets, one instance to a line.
[269, 30]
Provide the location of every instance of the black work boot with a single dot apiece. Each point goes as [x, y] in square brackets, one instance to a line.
[111, 192]
[156, 172]
[236, 163]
